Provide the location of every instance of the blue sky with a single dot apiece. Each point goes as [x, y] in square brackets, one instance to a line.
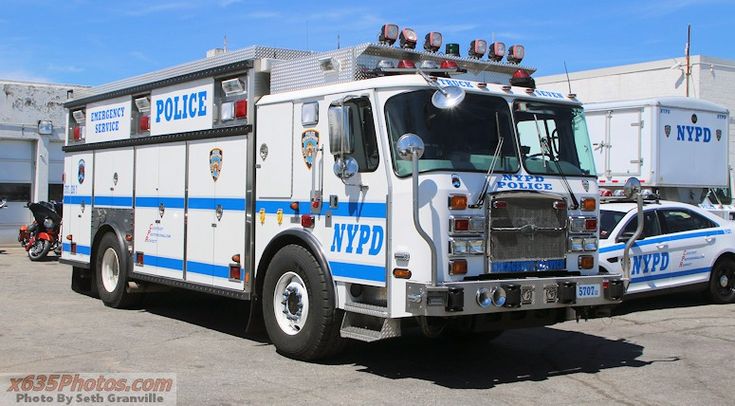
[93, 42]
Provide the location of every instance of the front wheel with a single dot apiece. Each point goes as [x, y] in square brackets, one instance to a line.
[299, 306]
[39, 250]
[722, 281]
[111, 273]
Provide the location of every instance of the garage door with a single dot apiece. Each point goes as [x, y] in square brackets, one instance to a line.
[16, 179]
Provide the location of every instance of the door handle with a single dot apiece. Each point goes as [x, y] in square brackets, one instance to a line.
[709, 239]
[662, 246]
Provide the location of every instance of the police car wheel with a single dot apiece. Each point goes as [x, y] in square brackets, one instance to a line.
[299, 306]
[110, 273]
[722, 281]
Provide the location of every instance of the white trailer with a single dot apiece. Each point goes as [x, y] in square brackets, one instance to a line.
[675, 145]
[345, 193]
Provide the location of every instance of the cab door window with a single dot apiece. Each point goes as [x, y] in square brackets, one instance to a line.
[362, 128]
[679, 220]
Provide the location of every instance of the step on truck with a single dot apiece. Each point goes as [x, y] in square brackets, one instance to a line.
[352, 193]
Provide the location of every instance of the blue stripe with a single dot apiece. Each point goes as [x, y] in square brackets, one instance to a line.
[358, 271]
[668, 275]
[345, 209]
[115, 201]
[77, 199]
[210, 203]
[218, 271]
[155, 201]
[81, 249]
[163, 262]
[649, 241]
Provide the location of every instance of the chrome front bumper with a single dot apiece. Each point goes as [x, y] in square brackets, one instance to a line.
[461, 298]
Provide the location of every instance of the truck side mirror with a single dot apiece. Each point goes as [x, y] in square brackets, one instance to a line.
[341, 140]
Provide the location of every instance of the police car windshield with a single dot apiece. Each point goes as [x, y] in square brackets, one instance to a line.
[608, 220]
[553, 139]
[463, 138]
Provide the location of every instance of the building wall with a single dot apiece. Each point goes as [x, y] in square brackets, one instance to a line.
[711, 79]
[29, 162]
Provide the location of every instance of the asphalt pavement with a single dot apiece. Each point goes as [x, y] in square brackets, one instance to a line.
[677, 349]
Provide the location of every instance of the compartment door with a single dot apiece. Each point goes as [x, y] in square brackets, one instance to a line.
[159, 209]
[201, 219]
[77, 213]
[624, 154]
[113, 179]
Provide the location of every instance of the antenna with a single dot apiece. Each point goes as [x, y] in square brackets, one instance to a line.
[686, 52]
[569, 82]
[338, 41]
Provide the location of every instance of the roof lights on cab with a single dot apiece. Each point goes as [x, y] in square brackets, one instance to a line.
[478, 48]
[496, 51]
[388, 34]
[433, 41]
[523, 79]
[516, 53]
[408, 38]
[452, 49]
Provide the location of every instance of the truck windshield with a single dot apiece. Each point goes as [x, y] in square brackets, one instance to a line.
[460, 139]
[552, 132]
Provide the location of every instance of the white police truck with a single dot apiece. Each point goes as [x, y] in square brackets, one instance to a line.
[347, 194]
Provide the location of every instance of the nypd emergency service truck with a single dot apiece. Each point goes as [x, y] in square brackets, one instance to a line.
[676, 145]
[344, 193]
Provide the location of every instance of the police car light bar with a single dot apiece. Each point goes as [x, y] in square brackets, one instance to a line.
[408, 38]
[232, 86]
[388, 34]
[433, 41]
[478, 47]
[496, 52]
[516, 53]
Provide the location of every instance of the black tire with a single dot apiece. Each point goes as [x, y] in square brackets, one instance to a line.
[722, 281]
[83, 281]
[118, 296]
[319, 336]
[39, 250]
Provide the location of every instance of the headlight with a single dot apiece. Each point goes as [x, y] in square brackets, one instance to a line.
[576, 244]
[466, 247]
[48, 223]
[457, 247]
[590, 244]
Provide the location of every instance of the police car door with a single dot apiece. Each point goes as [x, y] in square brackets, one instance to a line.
[647, 257]
[690, 243]
[354, 207]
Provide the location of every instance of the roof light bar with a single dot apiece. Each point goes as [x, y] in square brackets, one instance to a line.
[433, 41]
[388, 34]
[496, 52]
[478, 47]
[408, 38]
[516, 53]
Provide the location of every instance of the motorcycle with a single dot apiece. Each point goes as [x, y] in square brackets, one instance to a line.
[43, 235]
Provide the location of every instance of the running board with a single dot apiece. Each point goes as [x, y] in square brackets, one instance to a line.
[368, 328]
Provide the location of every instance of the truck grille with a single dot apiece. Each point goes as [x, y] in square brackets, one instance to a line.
[527, 226]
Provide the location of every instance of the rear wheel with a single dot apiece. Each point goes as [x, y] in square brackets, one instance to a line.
[722, 281]
[299, 306]
[111, 273]
[39, 250]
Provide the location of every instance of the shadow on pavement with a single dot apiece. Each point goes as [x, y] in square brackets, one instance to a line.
[519, 355]
[667, 301]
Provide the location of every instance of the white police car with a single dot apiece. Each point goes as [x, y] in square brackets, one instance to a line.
[681, 245]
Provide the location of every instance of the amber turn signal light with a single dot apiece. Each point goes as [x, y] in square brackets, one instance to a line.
[402, 273]
[588, 204]
[586, 261]
[458, 267]
[458, 202]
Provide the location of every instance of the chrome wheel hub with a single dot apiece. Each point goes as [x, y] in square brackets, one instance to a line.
[290, 303]
[110, 270]
[724, 281]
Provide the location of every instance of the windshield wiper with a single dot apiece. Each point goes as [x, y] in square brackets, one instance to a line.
[481, 198]
[545, 150]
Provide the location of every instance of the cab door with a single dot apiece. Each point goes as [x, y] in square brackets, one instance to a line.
[354, 208]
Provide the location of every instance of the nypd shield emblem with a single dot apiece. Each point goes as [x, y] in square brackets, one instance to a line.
[81, 171]
[718, 134]
[215, 163]
[309, 145]
[667, 130]
[586, 185]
